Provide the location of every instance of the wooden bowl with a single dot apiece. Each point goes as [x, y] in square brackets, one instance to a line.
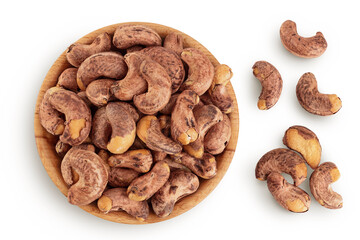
[46, 142]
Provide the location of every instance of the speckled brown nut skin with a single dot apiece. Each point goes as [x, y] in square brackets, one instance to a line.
[310, 47]
[139, 160]
[290, 197]
[77, 126]
[98, 91]
[320, 181]
[121, 177]
[116, 199]
[175, 42]
[77, 52]
[145, 186]
[271, 82]
[104, 64]
[170, 105]
[218, 136]
[130, 35]
[170, 61]
[92, 174]
[183, 124]
[205, 167]
[200, 73]
[133, 83]
[67, 79]
[312, 100]
[159, 88]
[101, 129]
[179, 185]
[305, 142]
[282, 160]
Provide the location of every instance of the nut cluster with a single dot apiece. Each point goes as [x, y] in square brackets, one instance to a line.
[139, 119]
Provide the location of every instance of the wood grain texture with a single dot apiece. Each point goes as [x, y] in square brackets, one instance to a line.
[46, 142]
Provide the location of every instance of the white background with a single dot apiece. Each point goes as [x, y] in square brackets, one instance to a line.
[35, 33]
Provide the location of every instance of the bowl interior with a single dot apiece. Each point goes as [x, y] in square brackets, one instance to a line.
[46, 142]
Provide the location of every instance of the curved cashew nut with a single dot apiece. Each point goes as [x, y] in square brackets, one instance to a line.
[204, 167]
[139, 160]
[179, 185]
[77, 52]
[67, 79]
[116, 199]
[320, 181]
[159, 88]
[131, 35]
[218, 136]
[77, 114]
[299, 46]
[122, 177]
[149, 131]
[104, 64]
[101, 129]
[92, 176]
[98, 92]
[290, 197]
[175, 42]
[305, 142]
[183, 124]
[271, 83]
[282, 160]
[201, 71]
[312, 100]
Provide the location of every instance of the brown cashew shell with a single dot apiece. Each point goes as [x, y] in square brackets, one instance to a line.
[218, 136]
[98, 92]
[290, 197]
[67, 79]
[320, 181]
[271, 82]
[282, 160]
[77, 52]
[205, 167]
[312, 100]
[310, 47]
[130, 35]
[92, 176]
[170, 61]
[104, 64]
[305, 142]
[200, 73]
[179, 185]
[139, 160]
[121, 177]
[175, 42]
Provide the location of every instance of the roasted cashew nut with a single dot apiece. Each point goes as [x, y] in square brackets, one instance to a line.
[98, 92]
[67, 79]
[175, 42]
[218, 136]
[139, 160]
[121, 177]
[204, 167]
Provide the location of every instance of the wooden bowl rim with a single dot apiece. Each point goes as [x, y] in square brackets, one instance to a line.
[45, 141]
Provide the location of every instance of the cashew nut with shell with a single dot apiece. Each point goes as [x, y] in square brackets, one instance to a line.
[139, 160]
[218, 136]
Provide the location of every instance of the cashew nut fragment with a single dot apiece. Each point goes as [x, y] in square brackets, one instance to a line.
[86, 175]
[206, 117]
[121, 177]
[139, 160]
[320, 187]
[77, 52]
[201, 71]
[145, 186]
[218, 136]
[299, 46]
[282, 160]
[130, 35]
[204, 167]
[179, 185]
[183, 124]
[116, 199]
[159, 88]
[67, 79]
[312, 100]
[104, 64]
[175, 42]
[271, 83]
[98, 91]
[290, 197]
[305, 142]
[149, 131]
[77, 126]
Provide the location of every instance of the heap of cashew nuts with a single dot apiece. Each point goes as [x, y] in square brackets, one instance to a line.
[139, 120]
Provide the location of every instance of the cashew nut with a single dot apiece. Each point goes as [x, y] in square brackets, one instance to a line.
[101, 129]
[305, 142]
[299, 46]
[67, 79]
[218, 136]
[170, 105]
[320, 187]
[145, 186]
[77, 52]
[130, 35]
[290, 197]
[121, 177]
[134, 49]
[104, 64]
[204, 167]
[175, 42]
[77, 114]
[139, 160]
[271, 83]
[116, 199]
[98, 91]
[282, 160]
[201, 71]
[91, 173]
[179, 185]
[312, 100]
